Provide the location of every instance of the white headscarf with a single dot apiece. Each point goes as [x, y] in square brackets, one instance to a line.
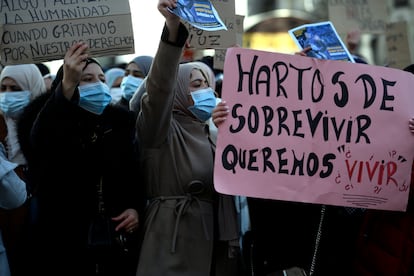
[29, 78]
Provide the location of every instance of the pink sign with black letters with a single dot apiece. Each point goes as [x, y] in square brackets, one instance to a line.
[317, 131]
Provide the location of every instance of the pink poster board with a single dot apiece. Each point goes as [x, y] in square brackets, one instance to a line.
[317, 131]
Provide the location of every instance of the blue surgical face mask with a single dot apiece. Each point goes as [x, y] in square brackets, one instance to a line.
[129, 85]
[94, 97]
[13, 103]
[116, 94]
[204, 103]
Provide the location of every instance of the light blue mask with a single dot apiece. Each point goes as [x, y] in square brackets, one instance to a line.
[13, 103]
[204, 103]
[94, 97]
[129, 85]
[116, 94]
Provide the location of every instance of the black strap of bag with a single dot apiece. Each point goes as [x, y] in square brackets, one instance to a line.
[102, 236]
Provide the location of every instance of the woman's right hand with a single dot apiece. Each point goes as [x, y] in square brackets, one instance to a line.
[220, 113]
[74, 62]
[171, 20]
[170, 17]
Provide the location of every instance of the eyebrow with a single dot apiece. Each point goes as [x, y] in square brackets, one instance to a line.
[134, 70]
[206, 79]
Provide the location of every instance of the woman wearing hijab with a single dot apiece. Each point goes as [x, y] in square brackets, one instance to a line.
[83, 164]
[114, 78]
[20, 84]
[135, 72]
[189, 229]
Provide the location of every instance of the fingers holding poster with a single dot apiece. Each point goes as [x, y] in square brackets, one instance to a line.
[200, 14]
[43, 34]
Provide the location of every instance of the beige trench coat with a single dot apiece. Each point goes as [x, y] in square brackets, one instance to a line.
[177, 156]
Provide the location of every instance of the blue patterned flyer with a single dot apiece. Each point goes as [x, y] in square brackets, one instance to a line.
[323, 39]
[199, 13]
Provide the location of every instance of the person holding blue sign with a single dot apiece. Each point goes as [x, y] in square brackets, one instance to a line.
[190, 229]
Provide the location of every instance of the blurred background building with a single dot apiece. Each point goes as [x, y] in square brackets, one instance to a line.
[267, 21]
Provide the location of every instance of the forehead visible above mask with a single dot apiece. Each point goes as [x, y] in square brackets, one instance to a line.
[144, 63]
[59, 75]
[209, 73]
[27, 76]
[182, 99]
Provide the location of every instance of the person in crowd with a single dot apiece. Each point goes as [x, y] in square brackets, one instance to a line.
[20, 85]
[48, 77]
[82, 163]
[135, 72]
[242, 208]
[13, 194]
[386, 242]
[114, 78]
[353, 41]
[218, 73]
[190, 229]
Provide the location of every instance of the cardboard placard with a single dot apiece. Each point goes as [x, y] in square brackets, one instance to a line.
[37, 31]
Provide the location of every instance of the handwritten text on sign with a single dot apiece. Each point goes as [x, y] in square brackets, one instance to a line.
[36, 31]
[319, 131]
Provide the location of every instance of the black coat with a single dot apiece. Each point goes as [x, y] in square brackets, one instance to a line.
[69, 152]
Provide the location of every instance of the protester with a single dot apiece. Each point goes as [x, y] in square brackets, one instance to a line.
[13, 194]
[189, 228]
[20, 84]
[81, 155]
[218, 73]
[114, 78]
[353, 41]
[386, 241]
[135, 72]
[48, 77]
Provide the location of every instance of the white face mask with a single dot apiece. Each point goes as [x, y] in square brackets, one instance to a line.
[116, 94]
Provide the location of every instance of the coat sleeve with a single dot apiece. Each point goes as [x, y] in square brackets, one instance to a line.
[12, 189]
[156, 105]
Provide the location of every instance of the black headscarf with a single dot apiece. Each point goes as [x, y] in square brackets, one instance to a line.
[59, 75]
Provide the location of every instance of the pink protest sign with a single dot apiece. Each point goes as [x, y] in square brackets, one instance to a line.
[317, 131]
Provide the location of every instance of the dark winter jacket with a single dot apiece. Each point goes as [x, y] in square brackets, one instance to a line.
[386, 242]
[70, 152]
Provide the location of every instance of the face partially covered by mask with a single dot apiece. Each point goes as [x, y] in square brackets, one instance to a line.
[13, 103]
[129, 85]
[204, 103]
[116, 94]
[94, 97]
